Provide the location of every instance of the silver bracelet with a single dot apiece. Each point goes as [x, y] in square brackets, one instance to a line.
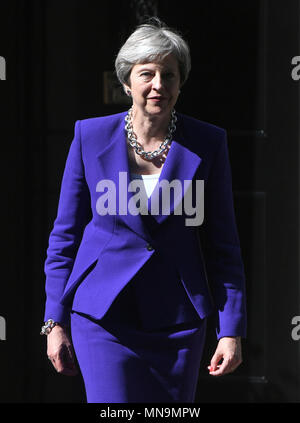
[48, 326]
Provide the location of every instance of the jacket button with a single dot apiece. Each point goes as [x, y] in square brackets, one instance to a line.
[149, 247]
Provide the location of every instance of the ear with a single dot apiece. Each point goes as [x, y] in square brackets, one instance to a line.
[127, 90]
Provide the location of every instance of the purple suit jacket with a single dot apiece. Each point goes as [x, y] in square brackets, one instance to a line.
[105, 252]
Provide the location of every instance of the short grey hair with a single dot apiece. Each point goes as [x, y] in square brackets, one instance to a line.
[149, 42]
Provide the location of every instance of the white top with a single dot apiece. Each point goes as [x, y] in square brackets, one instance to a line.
[149, 181]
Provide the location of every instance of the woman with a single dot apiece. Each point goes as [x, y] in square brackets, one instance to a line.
[125, 265]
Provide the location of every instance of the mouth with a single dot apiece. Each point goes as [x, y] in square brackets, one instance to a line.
[157, 98]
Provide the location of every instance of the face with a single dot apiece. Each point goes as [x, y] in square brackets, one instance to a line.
[155, 86]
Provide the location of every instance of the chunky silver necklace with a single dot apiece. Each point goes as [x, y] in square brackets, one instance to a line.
[149, 155]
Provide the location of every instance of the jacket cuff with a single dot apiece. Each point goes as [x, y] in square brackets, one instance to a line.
[235, 326]
[57, 312]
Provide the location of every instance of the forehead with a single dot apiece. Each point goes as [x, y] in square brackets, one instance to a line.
[168, 62]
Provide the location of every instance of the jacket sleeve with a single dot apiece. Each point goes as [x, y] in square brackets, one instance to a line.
[65, 237]
[222, 253]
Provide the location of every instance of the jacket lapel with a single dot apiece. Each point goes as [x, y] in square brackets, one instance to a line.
[114, 164]
[181, 165]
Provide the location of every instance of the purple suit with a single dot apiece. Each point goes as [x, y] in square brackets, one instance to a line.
[92, 258]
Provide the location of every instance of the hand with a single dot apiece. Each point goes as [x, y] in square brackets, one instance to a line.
[228, 350]
[60, 351]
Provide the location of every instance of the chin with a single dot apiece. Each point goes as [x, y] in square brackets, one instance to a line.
[158, 110]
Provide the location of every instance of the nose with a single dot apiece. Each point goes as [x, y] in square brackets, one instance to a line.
[157, 83]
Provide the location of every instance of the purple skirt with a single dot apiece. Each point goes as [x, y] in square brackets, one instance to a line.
[123, 361]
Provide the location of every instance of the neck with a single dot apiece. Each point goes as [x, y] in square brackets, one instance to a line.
[150, 128]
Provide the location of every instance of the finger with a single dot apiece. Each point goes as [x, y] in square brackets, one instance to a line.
[61, 368]
[71, 372]
[69, 368]
[68, 363]
[227, 366]
[212, 369]
[54, 363]
[222, 369]
[58, 364]
[67, 357]
[215, 361]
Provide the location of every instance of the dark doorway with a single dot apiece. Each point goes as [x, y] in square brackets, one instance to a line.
[58, 57]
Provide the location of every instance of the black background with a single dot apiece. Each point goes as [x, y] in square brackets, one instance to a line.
[56, 53]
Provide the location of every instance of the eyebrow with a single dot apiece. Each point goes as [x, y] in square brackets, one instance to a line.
[147, 67]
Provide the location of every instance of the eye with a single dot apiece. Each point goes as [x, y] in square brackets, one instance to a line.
[169, 75]
[146, 74]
